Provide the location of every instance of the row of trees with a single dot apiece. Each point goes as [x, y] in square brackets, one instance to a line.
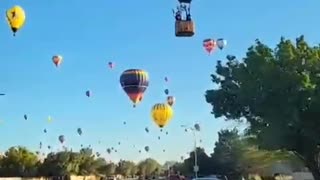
[236, 156]
[277, 91]
[19, 161]
[233, 156]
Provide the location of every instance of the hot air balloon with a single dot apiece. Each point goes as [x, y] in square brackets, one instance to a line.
[166, 79]
[197, 127]
[108, 150]
[49, 119]
[146, 148]
[57, 60]
[49, 147]
[25, 117]
[163, 150]
[221, 43]
[45, 130]
[167, 133]
[166, 91]
[209, 45]
[159, 137]
[16, 18]
[119, 143]
[171, 100]
[88, 93]
[139, 151]
[146, 129]
[134, 82]
[61, 139]
[183, 27]
[40, 145]
[111, 65]
[161, 114]
[124, 123]
[79, 130]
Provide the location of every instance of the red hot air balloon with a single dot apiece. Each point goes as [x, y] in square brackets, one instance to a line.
[209, 45]
[134, 82]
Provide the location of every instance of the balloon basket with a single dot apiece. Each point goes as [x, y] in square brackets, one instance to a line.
[184, 28]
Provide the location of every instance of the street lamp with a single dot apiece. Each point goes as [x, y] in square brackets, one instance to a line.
[195, 167]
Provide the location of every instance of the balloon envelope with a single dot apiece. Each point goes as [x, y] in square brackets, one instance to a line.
[161, 114]
[16, 18]
[209, 45]
[134, 82]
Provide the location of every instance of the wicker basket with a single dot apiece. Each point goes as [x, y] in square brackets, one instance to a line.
[184, 28]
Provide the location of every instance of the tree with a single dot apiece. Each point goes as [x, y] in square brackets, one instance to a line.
[203, 161]
[277, 92]
[126, 168]
[110, 169]
[19, 161]
[227, 153]
[149, 167]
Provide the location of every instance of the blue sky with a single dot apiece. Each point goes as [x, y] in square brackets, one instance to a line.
[133, 34]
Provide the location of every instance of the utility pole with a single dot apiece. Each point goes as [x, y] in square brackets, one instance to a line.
[195, 167]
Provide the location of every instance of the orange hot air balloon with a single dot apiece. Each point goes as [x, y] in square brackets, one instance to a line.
[57, 60]
[209, 45]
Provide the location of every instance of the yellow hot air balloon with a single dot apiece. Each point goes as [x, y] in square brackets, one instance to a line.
[161, 114]
[49, 119]
[16, 18]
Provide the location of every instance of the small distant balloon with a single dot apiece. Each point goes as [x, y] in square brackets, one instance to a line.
[221, 43]
[171, 100]
[61, 139]
[49, 119]
[79, 131]
[166, 91]
[111, 65]
[108, 150]
[146, 148]
[57, 60]
[209, 45]
[166, 79]
[88, 93]
[25, 117]
[197, 127]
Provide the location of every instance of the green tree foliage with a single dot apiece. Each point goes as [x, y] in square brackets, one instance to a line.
[19, 161]
[231, 150]
[149, 167]
[277, 92]
[126, 168]
[234, 156]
